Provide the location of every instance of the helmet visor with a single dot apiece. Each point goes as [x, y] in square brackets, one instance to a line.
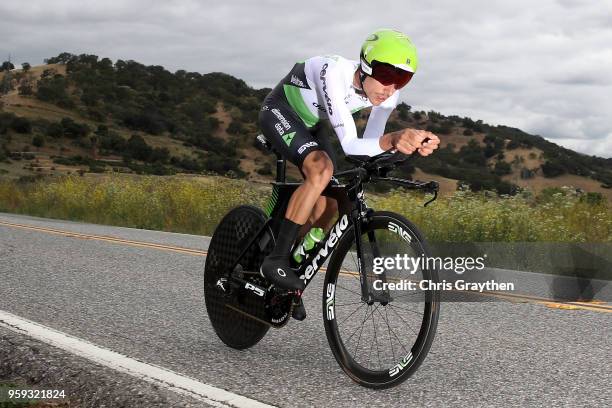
[387, 74]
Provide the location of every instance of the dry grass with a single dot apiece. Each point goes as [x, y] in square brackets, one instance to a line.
[447, 185]
[224, 119]
[524, 156]
[196, 204]
[459, 140]
[538, 183]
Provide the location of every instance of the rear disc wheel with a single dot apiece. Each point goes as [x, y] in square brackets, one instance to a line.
[231, 236]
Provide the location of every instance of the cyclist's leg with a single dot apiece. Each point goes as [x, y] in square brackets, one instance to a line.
[322, 216]
[293, 140]
[325, 209]
[317, 169]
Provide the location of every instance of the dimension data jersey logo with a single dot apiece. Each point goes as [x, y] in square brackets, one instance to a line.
[288, 138]
[297, 81]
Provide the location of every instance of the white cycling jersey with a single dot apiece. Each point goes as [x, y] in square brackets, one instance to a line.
[322, 88]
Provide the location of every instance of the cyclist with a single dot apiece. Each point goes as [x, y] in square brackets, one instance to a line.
[332, 88]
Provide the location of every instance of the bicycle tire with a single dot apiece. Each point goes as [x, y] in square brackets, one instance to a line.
[229, 239]
[392, 374]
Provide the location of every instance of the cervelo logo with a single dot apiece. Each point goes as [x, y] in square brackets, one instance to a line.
[401, 365]
[306, 146]
[393, 227]
[282, 119]
[331, 242]
[296, 81]
[329, 300]
[324, 81]
[258, 291]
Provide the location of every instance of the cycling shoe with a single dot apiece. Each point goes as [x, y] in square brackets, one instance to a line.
[278, 271]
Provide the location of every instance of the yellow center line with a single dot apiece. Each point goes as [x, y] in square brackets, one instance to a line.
[594, 306]
[108, 239]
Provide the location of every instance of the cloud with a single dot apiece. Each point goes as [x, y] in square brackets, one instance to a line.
[544, 67]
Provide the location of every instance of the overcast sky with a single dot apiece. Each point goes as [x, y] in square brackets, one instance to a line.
[543, 66]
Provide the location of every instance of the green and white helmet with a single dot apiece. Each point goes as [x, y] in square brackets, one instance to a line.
[391, 47]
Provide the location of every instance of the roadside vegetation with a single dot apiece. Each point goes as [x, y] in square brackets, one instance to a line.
[196, 205]
[555, 215]
[169, 204]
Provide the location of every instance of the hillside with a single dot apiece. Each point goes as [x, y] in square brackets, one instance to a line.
[88, 114]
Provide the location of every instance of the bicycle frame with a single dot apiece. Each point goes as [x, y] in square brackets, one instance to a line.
[351, 206]
[352, 210]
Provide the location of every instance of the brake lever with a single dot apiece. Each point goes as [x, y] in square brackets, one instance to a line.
[432, 199]
[435, 186]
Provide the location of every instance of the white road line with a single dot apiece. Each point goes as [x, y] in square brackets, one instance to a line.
[148, 372]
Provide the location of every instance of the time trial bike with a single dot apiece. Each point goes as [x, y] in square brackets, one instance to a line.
[378, 331]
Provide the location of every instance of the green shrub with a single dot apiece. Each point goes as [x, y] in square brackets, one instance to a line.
[38, 141]
[552, 169]
[21, 125]
[502, 168]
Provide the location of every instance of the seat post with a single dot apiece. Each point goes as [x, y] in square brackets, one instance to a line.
[281, 167]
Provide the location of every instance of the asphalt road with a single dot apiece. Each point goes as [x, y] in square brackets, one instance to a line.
[148, 303]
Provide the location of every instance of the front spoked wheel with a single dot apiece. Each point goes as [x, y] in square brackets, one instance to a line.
[380, 332]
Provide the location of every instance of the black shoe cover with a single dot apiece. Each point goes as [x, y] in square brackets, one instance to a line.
[278, 271]
[299, 311]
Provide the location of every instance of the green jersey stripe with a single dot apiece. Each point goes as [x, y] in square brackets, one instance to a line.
[296, 101]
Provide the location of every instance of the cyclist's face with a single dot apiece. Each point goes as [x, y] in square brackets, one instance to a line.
[377, 92]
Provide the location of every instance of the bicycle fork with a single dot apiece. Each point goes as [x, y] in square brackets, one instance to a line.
[368, 295]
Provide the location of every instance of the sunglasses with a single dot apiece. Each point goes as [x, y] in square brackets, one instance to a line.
[388, 74]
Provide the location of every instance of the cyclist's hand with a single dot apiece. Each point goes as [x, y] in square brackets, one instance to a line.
[410, 140]
[431, 143]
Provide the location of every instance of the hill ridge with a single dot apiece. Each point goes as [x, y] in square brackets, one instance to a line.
[89, 114]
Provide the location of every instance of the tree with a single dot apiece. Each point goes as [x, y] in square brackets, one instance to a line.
[552, 169]
[21, 125]
[26, 66]
[7, 66]
[403, 109]
[38, 141]
[74, 130]
[160, 154]
[502, 168]
[235, 128]
[25, 89]
[55, 130]
[403, 106]
[63, 58]
[137, 148]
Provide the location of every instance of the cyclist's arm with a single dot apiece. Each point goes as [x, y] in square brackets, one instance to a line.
[340, 116]
[379, 115]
